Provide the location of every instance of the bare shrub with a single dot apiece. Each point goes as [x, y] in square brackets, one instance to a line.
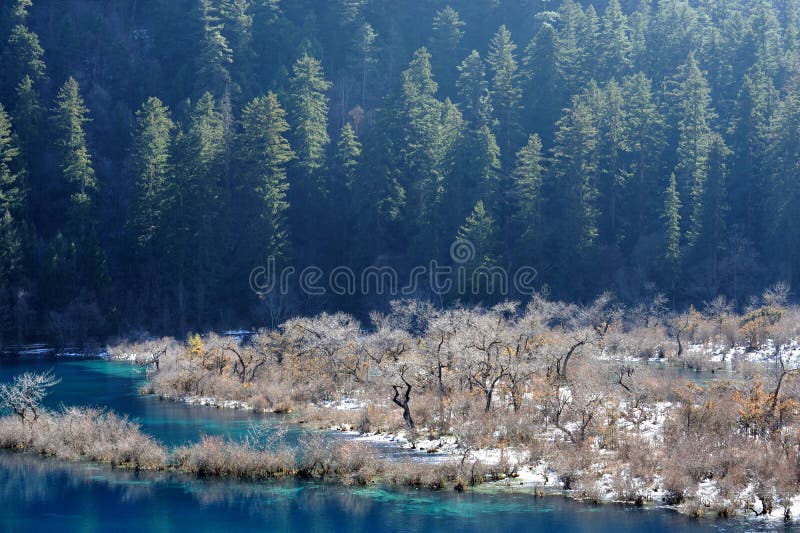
[86, 434]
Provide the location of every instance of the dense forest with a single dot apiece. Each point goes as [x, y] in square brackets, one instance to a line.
[153, 152]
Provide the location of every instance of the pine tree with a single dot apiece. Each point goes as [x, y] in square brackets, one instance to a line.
[694, 115]
[612, 157]
[12, 187]
[28, 115]
[476, 175]
[12, 201]
[589, 42]
[346, 168]
[480, 232]
[570, 52]
[505, 87]
[430, 130]
[10, 250]
[615, 44]
[237, 29]
[645, 139]
[309, 119]
[69, 117]
[194, 238]
[750, 140]
[14, 12]
[784, 179]
[346, 158]
[86, 261]
[674, 27]
[575, 166]
[151, 168]
[766, 37]
[708, 230]
[366, 57]
[21, 57]
[215, 55]
[527, 198]
[264, 154]
[473, 89]
[446, 45]
[543, 94]
[672, 227]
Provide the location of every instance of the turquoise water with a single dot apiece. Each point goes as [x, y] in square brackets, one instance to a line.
[115, 385]
[38, 494]
[42, 495]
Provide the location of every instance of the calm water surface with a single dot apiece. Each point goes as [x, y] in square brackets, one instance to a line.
[44, 495]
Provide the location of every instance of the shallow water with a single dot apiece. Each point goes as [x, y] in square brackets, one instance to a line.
[99, 383]
[41, 494]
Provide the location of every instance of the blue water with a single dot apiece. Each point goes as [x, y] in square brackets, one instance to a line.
[39, 494]
[115, 385]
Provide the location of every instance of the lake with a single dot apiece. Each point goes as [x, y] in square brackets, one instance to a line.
[44, 494]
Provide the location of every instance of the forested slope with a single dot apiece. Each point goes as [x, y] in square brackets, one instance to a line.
[153, 152]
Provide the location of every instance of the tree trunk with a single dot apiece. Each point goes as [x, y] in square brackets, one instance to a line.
[402, 402]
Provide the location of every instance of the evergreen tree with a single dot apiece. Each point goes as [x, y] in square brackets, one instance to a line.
[527, 199]
[346, 167]
[671, 217]
[615, 44]
[709, 219]
[505, 87]
[22, 57]
[784, 180]
[264, 153]
[366, 58]
[214, 55]
[575, 166]
[151, 169]
[84, 264]
[422, 152]
[12, 187]
[480, 231]
[69, 117]
[348, 153]
[765, 37]
[750, 141]
[10, 250]
[693, 116]
[589, 42]
[570, 52]
[446, 45]
[309, 119]
[645, 140]
[12, 201]
[543, 96]
[237, 30]
[28, 115]
[473, 89]
[194, 239]
[475, 176]
[613, 147]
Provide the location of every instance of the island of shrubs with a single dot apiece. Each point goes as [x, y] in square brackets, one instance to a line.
[698, 409]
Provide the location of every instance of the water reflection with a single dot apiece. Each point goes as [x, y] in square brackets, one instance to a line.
[43, 494]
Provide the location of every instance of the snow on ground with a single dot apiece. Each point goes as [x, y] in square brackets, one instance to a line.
[207, 401]
[345, 404]
[707, 492]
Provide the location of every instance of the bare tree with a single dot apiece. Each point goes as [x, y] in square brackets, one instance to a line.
[25, 393]
[401, 399]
